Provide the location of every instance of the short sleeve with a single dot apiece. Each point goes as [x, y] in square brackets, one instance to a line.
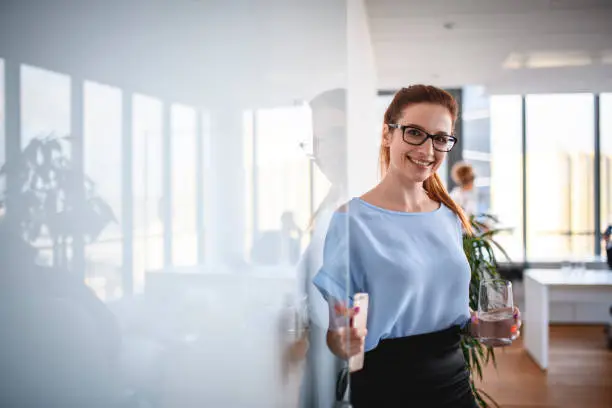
[332, 280]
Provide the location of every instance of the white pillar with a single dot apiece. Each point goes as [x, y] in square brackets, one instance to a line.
[225, 199]
[363, 127]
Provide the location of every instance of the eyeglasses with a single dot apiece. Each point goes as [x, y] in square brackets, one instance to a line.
[416, 137]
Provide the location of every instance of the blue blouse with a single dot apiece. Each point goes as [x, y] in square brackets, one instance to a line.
[412, 265]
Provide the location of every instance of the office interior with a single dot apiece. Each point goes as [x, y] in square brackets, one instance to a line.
[159, 158]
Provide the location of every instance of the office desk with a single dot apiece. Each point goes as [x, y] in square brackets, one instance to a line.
[545, 286]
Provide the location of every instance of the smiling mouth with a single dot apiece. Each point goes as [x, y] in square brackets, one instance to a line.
[420, 163]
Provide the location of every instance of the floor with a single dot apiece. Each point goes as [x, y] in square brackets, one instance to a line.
[579, 374]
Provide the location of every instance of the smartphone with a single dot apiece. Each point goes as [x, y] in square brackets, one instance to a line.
[360, 322]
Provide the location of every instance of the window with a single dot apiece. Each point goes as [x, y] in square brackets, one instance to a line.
[184, 222]
[45, 111]
[103, 165]
[147, 192]
[560, 139]
[476, 133]
[506, 161]
[282, 190]
[605, 118]
[45, 104]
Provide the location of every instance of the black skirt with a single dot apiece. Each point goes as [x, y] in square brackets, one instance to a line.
[424, 371]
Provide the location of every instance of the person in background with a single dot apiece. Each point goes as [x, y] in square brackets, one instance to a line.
[280, 246]
[405, 251]
[607, 237]
[465, 193]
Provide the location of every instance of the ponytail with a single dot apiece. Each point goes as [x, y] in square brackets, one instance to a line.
[436, 191]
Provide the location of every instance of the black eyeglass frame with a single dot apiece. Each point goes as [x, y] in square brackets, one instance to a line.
[428, 136]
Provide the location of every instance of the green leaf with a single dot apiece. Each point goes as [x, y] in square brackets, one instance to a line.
[479, 250]
[476, 364]
[491, 355]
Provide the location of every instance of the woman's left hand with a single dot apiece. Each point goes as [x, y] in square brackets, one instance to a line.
[514, 330]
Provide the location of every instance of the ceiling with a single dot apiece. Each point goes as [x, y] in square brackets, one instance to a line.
[510, 46]
[270, 52]
[198, 52]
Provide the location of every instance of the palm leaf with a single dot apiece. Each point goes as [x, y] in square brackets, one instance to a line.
[479, 250]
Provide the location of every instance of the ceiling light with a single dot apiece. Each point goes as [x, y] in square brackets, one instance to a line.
[550, 59]
[559, 59]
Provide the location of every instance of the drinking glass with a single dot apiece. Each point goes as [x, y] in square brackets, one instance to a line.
[495, 312]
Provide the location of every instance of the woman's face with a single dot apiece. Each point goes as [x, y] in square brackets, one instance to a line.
[417, 163]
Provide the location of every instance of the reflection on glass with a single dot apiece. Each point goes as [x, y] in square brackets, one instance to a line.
[185, 345]
[282, 183]
[147, 192]
[102, 161]
[321, 186]
[506, 172]
[605, 117]
[45, 111]
[248, 158]
[2, 134]
[45, 104]
[560, 176]
[183, 137]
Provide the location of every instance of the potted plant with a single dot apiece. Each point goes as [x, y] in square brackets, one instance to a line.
[479, 249]
[48, 197]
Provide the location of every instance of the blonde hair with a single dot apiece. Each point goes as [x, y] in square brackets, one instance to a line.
[424, 94]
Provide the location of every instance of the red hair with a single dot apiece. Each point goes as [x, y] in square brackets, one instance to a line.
[424, 94]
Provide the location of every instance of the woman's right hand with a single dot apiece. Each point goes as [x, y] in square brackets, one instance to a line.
[346, 342]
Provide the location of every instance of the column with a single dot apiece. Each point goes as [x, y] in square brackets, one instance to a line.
[225, 190]
[78, 191]
[202, 134]
[363, 127]
[597, 178]
[167, 182]
[455, 155]
[127, 201]
[12, 76]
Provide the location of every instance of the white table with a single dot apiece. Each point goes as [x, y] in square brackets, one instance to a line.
[544, 286]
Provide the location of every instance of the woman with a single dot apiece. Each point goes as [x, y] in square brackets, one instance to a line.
[405, 250]
[465, 194]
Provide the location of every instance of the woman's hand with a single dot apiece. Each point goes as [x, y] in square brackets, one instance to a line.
[297, 350]
[516, 328]
[511, 331]
[346, 342]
